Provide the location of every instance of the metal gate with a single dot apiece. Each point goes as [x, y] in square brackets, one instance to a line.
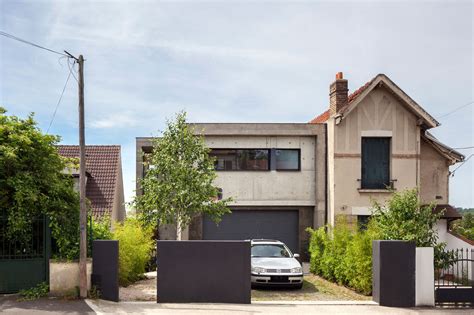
[24, 264]
[455, 282]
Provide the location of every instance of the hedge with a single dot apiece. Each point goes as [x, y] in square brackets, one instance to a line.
[346, 257]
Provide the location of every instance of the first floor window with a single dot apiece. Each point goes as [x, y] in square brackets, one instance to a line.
[287, 159]
[241, 159]
[375, 163]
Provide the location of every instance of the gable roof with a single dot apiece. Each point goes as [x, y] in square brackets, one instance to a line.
[382, 79]
[103, 165]
[446, 151]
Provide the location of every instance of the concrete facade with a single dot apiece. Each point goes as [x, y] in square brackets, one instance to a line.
[304, 189]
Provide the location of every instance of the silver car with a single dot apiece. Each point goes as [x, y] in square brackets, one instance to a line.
[274, 264]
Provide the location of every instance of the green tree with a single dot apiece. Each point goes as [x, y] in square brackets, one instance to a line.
[32, 183]
[179, 182]
[404, 217]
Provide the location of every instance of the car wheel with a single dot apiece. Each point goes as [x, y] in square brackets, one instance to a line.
[299, 286]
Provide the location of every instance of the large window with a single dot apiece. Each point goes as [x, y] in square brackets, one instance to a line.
[375, 163]
[241, 159]
[287, 159]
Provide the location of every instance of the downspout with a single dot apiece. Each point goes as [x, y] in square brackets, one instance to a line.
[326, 175]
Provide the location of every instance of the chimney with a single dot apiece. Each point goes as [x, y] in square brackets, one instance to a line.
[337, 94]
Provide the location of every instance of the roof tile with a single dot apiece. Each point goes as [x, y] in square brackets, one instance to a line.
[102, 163]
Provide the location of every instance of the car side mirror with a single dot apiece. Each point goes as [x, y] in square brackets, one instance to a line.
[296, 255]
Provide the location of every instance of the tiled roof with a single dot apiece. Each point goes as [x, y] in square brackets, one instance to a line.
[449, 212]
[353, 96]
[102, 163]
[321, 118]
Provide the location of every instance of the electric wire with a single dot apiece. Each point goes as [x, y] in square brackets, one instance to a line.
[30, 43]
[464, 162]
[59, 100]
[455, 110]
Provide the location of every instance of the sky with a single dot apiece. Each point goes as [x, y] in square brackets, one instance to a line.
[233, 61]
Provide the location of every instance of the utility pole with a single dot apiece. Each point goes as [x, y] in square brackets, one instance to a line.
[82, 186]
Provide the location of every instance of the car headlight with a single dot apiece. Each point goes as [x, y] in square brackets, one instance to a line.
[296, 270]
[258, 270]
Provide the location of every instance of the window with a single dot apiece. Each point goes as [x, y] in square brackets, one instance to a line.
[287, 159]
[270, 250]
[241, 159]
[375, 163]
[363, 221]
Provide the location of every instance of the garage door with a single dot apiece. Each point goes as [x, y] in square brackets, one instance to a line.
[251, 224]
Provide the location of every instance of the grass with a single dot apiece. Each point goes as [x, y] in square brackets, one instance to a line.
[314, 289]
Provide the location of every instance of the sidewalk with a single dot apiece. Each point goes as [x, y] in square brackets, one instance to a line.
[105, 307]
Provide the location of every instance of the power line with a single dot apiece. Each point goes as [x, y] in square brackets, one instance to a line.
[456, 109]
[59, 100]
[452, 173]
[30, 43]
[464, 148]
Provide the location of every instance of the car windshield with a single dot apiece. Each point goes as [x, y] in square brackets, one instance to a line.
[270, 250]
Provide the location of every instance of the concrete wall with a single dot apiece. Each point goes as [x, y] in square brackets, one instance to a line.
[380, 113]
[64, 277]
[434, 175]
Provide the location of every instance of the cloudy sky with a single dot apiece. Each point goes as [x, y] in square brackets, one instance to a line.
[233, 61]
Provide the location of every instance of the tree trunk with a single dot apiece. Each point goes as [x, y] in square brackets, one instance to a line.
[178, 230]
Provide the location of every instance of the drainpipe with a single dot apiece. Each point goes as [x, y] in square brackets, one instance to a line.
[326, 174]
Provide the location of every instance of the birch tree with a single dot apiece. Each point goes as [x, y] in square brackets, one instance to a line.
[178, 184]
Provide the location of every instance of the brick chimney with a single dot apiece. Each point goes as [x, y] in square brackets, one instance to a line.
[337, 94]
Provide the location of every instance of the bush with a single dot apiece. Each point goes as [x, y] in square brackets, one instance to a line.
[346, 257]
[465, 226]
[135, 244]
[34, 293]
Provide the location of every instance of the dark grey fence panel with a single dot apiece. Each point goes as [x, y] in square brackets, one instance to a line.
[105, 268]
[393, 272]
[203, 272]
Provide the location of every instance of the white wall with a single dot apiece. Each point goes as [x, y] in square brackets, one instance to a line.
[424, 274]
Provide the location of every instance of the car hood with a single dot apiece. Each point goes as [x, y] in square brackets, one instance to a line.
[275, 263]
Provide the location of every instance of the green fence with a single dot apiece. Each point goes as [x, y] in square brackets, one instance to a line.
[24, 264]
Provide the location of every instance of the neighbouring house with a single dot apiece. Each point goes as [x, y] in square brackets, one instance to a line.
[287, 177]
[104, 182]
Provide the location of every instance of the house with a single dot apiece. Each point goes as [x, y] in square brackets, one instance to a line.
[285, 178]
[378, 138]
[104, 183]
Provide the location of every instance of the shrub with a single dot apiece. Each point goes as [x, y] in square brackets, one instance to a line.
[135, 244]
[465, 226]
[345, 256]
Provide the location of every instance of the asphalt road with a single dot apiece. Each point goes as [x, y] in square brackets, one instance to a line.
[10, 305]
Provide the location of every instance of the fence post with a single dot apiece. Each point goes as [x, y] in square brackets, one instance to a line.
[424, 272]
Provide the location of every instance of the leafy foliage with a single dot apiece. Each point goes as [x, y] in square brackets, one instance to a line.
[32, 184]
[465, 226]
[346, 257]
[179, 182]
[135, 244]
[403, 217]
[34, 293]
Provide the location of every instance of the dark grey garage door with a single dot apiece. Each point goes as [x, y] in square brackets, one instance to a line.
[250, 224]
